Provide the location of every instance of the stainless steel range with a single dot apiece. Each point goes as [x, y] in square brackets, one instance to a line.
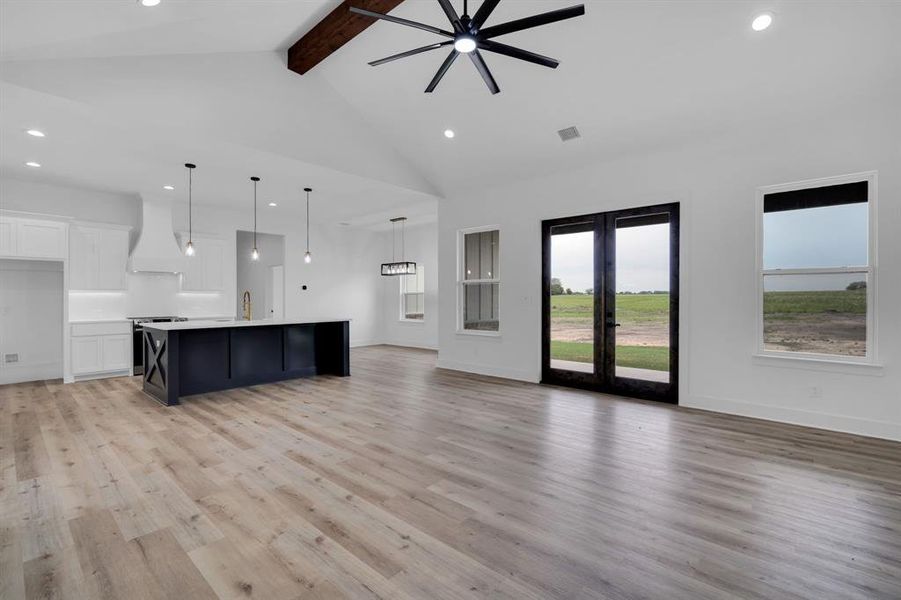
[137, 338]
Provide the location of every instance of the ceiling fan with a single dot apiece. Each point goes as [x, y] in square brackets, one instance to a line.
[468, 37]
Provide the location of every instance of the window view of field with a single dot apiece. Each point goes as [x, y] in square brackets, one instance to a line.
[818, 321]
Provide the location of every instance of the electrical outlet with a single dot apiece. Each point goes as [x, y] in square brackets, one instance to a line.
[11, 358]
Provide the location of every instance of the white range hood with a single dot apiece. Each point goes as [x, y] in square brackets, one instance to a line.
[157, 250]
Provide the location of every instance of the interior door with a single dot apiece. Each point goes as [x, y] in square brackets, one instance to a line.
[610, 302]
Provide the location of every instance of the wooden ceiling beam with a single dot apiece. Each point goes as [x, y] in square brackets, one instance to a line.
[332, 32]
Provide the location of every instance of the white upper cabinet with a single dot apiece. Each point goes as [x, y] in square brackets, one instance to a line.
[204, 272]
[32, 238]
[97, 258]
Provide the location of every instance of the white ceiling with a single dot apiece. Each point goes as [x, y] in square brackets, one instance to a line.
[127, 94]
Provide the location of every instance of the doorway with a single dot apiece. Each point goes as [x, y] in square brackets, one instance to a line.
[610, 302]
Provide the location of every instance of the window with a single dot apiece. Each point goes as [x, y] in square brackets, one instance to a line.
[816, 272]
[479, 280]
[412, 295]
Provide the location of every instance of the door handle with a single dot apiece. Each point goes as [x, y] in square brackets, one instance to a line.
[612, 324]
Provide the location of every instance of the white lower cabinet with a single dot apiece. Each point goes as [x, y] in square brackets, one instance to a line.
[87, 355]
[101, 349]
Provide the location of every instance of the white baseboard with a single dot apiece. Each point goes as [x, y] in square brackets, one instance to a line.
[108, 375]
[505, 373]
[363, 343]
[843, 423]
[408, 345]
[21, 372]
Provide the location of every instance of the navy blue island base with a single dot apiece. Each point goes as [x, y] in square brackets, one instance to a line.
[182, 359]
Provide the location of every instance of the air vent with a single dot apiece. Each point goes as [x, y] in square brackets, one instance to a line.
[570, 133]
[11, 358]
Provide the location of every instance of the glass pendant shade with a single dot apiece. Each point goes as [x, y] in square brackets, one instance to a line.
[307, 257]
[189, 249]
[254, 254]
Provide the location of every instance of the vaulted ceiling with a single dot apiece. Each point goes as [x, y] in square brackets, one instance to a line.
[127, 94]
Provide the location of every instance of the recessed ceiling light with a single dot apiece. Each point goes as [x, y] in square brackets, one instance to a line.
[168, 187]
[35, 133]
[149, 2]
[273, 204]
[32, 164]
[762, 21]
[449, 133]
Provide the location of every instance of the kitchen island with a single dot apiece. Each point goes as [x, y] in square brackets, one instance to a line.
[194, 357]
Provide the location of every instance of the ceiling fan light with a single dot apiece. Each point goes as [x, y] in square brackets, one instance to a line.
[464, 44]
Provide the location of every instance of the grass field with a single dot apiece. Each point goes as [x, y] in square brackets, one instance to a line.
[640, 357]
[811, 303]
[630, 308]
[635, 312]
[819, 321]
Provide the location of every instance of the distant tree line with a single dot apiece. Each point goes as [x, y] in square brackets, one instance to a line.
[557, 289]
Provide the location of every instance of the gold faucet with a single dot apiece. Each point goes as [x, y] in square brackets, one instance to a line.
[248, 306]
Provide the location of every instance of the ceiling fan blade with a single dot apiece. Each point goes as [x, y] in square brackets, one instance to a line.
[413, 52]
[441, 71]
[519, 53]
[452, 15]
[482, 68]
[399, 21]
[484, 12]
[533, 21]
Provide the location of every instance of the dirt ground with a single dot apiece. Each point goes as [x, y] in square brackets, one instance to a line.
[839, 333]
[644, 334]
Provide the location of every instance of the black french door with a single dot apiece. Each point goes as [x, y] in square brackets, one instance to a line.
[610, 302]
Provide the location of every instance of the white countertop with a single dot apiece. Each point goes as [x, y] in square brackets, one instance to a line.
[226, 323]
[77, 321]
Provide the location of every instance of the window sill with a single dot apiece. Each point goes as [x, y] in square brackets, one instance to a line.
[416, 321]
[832, 365]
[476, 332]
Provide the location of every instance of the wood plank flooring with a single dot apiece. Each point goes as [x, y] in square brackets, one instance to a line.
[406, 481]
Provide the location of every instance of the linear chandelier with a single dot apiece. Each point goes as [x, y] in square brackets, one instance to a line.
[398, 267]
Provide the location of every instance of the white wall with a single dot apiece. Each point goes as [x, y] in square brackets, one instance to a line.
[68, 201]
[715, 181]
[422, 248]
[31, 320]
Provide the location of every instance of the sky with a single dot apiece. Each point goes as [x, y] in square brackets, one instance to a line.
[815, 237]
[642, 259]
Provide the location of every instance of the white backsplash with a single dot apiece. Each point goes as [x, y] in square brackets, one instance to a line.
[148, 295]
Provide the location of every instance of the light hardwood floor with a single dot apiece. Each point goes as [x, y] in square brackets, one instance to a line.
[405, 481]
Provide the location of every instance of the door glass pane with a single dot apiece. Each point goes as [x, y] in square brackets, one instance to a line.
[572, 298]
[822, 313]
[642, 298]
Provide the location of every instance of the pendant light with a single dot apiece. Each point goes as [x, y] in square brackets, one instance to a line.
[255, 254]
[189, 247]
[396, 267]
[307, 257]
